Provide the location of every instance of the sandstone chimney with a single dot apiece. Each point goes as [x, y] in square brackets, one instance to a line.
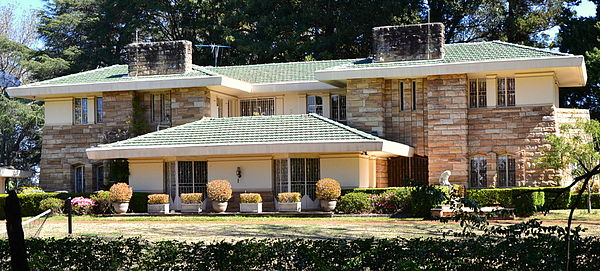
[408, 42]
[159, 58]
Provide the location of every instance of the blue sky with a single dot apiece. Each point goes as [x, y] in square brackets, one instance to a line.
[585, 9]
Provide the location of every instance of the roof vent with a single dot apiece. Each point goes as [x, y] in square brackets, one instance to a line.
[408, 42]
[159, 58]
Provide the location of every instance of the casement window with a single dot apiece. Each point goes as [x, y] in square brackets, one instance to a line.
[314, 104]
[401, 96]
[506, 92]
[80, 111]
[506, 167]
[79, 178]
[99, 110]
[160, 107]
[219, 107]
[338, 107]
[414, 95]
[477, 93]
[257, 107]
[478, 172]
[98, 173]
[296, 175]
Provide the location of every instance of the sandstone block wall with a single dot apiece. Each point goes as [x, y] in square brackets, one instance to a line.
[159, 58]
[365, 105]
[408, 42]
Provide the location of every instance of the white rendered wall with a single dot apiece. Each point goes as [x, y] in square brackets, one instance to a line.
[345, 170]
[146, 176]
[58, 112]
[535, 90]
[256, 173]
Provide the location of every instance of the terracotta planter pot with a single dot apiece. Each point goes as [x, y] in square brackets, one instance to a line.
[219, 206]
[251, 207]
[328, 205]
[290, 206]
[121, 206]
[158, 208]
[192, 208]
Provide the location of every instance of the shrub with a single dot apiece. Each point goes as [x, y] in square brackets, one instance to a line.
[289, 197]
[490, 197]
[426, 197]
[30, 190]
[583, 204]
[54, 204]
[158, 199]
[191, 198]
[120, 192]
[102, 200]
[139, 202]
[30, 203]
[551, 194]
[82, 206]
[219, 190]
[354, 203]
[527, 201]
[250, 198]
[392, 202]
[328, 189]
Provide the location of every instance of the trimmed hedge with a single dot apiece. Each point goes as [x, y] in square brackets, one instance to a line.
[583, 203]
[354, 203]
[487, 197]
[527, 201]
[543, 252]
[420, 198]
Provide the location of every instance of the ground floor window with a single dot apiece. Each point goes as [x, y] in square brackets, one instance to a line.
[296, 175]
[98, 173]
[478, 172]
[506, 166]
[79, 178]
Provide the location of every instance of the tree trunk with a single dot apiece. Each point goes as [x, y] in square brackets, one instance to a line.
[589, 196]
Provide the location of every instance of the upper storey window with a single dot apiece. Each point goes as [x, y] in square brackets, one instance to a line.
[257, 107]
[160, 107]
[314, 104]
[477, 93]
[80, 111]
[506, 92]
[99, 110]
[338, 107]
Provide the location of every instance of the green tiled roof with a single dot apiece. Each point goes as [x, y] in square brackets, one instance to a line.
[466, 52]
[278, 72]
[250, 130]
[305, 71]
[115, 73]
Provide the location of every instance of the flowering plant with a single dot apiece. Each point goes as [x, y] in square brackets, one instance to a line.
[82, 206]
[391, 202]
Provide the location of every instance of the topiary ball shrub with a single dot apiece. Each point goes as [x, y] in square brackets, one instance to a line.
[289, 197]
[54, 204]
[191, 198]
[120, 192]
[158, 199]
[354, 203]
[250, 198]
[328, 189]
[219, 190]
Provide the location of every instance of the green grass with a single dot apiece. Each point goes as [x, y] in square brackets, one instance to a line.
[579, 215]
[224, 218]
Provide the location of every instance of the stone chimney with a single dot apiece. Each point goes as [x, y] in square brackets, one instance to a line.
[159, 58]
[408, 42]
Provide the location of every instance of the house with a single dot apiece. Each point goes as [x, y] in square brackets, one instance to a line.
[415, 108]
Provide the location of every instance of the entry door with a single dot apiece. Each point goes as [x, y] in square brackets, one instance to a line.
[298, 175]
[186, 177]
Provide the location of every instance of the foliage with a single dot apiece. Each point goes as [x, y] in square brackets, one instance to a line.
[354, 203]
[29, 190]
[82, 206]
[120, 192]
[328, 189]
[158, 199]
[102, 199]
[54, 204]
[595, 201]
[426, 197]
[491, 197]
[118, 170]
[191, 198]
[527, 202]
[139, 202]
[395, 201]
[289, 197]
[250, 198]
[219, 190]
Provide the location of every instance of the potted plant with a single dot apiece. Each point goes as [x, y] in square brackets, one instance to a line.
[158, 204]
[328, 191]
[191, 202]
[250, 203]
[120, 194]
[219, 192]
[289, 202]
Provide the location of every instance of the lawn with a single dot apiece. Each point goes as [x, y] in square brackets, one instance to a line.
[231, 228]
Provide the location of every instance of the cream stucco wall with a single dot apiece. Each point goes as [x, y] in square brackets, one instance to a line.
[351, 171]
[146, 176]
[256, 173]
[535, 89]
[59, 111]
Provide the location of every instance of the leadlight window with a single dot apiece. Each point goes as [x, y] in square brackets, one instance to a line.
[506, 92]
[338, 107]
[478, 172]
[257, 107]
[477, 93]
[80, 111]
[314, 104]
[99, 110]
[79, 178]
[303, 175]
[160, 107]
[506, 166]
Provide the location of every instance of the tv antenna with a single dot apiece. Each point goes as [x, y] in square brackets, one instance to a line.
[214, 48]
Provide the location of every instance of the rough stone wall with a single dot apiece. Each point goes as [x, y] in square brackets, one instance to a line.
[381, 173]
[408, 42]
[447, 127]
[159, 58]
[189, 104]
[365, 105]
